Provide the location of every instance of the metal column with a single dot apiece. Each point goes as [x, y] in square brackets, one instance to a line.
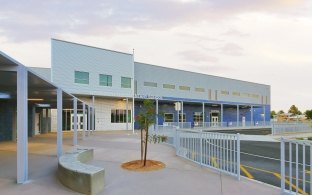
[221, 115]
[237, 115]
[251, 115]
[156, 114]
[127, 115]
[93, 115]
[75, 138]
[46, 120]
[59, 138]
[84, 120]
[33, 121]
[22, 125]
[263, 115]
[89, 119]
[182, 114]
[203, 114]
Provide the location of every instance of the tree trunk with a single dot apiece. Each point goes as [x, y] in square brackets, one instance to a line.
[146, 137]
[141, 145]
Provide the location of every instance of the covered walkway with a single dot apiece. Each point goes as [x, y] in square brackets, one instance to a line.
[24, 94]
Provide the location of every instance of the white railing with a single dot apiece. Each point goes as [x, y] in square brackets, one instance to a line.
[218, 151]
[296, 169]
[215, 125]
[181, 125]
[279, 128]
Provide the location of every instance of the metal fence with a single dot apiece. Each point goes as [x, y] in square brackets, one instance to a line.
[183, 125]
[296, 169]
[279, 128]
[218, 151]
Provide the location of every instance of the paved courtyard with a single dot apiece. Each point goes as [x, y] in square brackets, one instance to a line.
[111, 149]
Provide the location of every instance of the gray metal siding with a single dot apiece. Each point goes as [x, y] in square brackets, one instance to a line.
[43, 72]
[70, 57]
[162, 75]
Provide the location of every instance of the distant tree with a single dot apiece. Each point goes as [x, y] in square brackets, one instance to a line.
[294, 110]
[308, 114]
[281, 112]
[273, 113]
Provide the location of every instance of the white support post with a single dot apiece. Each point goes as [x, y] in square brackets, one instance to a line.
[22, 125]
[238, 156]
[203, 115]
[282, 165]
[221, 115]
[89, 119]
[127, 115]
[93, 114]
[133, 92]
[59, 138]
[84, 120]
[237, 114]
[251, 115]
[264, 115]
[33, 121]
[75, 138]
[182, 114]
[47, 120]
[157, 114]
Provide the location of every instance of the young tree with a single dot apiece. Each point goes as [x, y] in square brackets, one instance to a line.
[294, 110]
[146, 118]
[308, 114]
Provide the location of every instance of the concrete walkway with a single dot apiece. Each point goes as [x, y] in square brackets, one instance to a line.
[111, 149]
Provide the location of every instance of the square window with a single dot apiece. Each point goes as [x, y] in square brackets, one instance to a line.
[81, 77]
[105, 80]
[125, 82]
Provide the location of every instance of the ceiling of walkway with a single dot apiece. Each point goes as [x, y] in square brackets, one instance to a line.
[40, 92]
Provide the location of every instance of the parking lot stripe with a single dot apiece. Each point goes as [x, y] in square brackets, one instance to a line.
[292, 185]
[246, 172]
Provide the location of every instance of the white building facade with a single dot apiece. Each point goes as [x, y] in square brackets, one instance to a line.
[117, 86]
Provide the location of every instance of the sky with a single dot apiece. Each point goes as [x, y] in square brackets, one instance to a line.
[263, 41]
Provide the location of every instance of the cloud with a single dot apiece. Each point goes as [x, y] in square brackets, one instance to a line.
[197, 56]
[235, 33]
[37, 19]
[231, 49]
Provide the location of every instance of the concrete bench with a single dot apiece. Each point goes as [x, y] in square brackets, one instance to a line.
[80, 177]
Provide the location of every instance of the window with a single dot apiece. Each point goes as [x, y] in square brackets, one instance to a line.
[199, 89]
[235, 93]
[180, 117]
[105, 80]
[150, 84]
[185, 88]
[168, 117]
[225, 92]
[168, 86]
[81, 77]
[120, 116]
[125, 82]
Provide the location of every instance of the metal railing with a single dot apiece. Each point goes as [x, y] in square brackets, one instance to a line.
[279, 128]
[181, 125]
[296, 159]
[216, 125]
[218, 151]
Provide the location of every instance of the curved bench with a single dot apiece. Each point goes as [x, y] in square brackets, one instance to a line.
[80, 177]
